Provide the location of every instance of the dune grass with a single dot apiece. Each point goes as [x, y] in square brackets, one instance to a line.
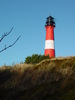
[51, 79]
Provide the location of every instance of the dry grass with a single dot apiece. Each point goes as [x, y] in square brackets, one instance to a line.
[50, 79]
[22, 67]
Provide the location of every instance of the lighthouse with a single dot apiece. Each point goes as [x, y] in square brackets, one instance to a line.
[49, 42]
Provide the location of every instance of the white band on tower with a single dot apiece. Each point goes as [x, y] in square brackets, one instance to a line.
[49, 44]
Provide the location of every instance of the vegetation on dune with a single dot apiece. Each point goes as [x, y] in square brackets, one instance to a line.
[49, 80]
[35, 58]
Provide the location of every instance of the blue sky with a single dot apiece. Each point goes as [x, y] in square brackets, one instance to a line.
[28, 18]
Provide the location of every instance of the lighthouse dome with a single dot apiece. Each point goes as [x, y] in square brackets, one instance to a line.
[50, 21]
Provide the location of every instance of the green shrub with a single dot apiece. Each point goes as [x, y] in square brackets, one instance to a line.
[35, 58]
[28, 60]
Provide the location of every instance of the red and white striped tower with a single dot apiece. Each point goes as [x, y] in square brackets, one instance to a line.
[49, 42]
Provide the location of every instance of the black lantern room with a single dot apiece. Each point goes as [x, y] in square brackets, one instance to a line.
[50, 21]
